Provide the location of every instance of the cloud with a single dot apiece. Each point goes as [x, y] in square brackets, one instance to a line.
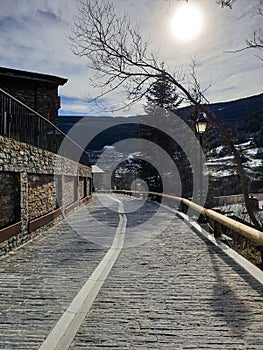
[86, 106]
[9, 23]
[74, 105]
[34, 37]
[48, 15]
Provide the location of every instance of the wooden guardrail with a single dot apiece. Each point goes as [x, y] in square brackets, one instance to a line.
[249, 232]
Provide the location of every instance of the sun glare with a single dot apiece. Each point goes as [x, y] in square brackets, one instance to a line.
[187, 22]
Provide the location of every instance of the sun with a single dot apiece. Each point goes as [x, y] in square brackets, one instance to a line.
[187, 22]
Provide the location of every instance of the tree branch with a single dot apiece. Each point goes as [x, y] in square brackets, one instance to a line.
[120, 58]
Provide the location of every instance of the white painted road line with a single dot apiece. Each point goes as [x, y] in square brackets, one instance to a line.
[63, 333]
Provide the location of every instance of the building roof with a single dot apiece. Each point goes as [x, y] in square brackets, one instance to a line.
[31, 76]
[97, 170]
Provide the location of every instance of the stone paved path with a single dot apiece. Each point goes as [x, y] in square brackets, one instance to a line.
[176, 291]
[39, 280]
[173, 291]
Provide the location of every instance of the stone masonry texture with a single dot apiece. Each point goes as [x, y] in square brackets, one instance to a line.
[41, 195]
[9, 198]
[81, 187]
[31, 184]
[69, 190]
[17, 157]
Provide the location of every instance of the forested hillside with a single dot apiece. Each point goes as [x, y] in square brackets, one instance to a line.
[243, 118]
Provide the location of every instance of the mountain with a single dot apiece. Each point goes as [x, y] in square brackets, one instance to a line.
[243, 118]
[100, 131]
[233, 111]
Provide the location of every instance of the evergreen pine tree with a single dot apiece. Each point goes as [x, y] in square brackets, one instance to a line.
[162, 94]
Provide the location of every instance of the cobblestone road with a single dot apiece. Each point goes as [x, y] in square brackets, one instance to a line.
[176, 291]
[173, 291]
[39, 280]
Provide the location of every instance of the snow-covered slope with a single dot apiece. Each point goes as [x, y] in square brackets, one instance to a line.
[220, 163]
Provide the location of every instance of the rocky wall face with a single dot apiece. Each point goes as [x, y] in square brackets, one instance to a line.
[81, 187]
[20, 157]
[69, 190]
[41, 195]
[34, 182]
[9, 199]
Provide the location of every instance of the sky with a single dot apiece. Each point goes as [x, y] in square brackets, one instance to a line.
[34, 37]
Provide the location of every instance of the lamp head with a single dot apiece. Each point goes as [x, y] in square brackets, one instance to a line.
[201, 123]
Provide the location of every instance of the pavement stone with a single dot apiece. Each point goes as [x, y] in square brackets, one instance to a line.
[177, 291]
[39, 280]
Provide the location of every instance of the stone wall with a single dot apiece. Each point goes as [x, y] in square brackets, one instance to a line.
[9, 198]
[82, 188]
[20, 157]
[41, 195]
[69, 190]
[35, 182]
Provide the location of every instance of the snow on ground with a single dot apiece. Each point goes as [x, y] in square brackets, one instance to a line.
[252, 151]
[225, 166]
[244, 145]
[254, 163]
[222, 173]
[240, 211]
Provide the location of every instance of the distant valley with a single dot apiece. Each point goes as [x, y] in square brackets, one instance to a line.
[243, 118]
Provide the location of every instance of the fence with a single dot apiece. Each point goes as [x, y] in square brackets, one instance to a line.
[251, 233]
[20, 122]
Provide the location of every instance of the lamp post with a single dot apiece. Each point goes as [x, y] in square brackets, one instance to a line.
[200, 126]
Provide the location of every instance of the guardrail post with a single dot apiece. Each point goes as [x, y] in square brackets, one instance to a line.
[216, 225]
[183, 207]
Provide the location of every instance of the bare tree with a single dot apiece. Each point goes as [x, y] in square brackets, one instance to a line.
[222, 3]
[226, 3]
[256, 39]
[121, 59]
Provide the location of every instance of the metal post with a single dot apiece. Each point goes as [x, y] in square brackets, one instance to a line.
[201, 219]
[201, 170]
[5, 124]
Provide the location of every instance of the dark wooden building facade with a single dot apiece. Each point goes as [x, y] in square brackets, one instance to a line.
[38, 91]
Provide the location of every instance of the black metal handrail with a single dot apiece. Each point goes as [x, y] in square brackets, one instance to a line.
[23, 124]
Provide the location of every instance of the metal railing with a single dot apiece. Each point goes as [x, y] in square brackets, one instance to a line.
[23, 124]
[251, 233]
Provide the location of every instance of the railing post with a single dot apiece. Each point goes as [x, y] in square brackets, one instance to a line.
[5, 124]
[183, 207]
[261, 255]
[216, 225]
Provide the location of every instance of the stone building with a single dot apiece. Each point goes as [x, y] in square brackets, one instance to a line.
[38, 91]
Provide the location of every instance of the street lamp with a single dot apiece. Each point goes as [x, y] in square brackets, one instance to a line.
[200, 126]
